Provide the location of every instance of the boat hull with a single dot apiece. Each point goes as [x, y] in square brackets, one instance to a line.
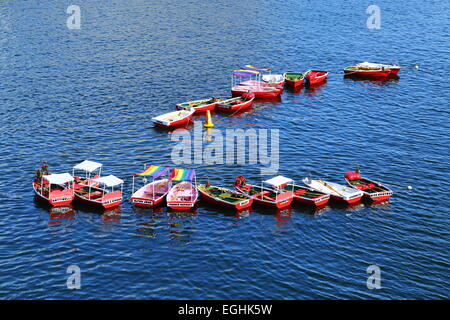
[240, 106]
[259, 92]
[383, 194]
[283, 200]
[182, 196]
[367, 73]
[55, 199]
[160, 187]
[174, 124]
[314, 78]
[199, 109]
[238, 206]
[110, 200]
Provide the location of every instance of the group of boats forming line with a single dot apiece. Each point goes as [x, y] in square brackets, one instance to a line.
[175, 186]
[250, 83]
[178, 188]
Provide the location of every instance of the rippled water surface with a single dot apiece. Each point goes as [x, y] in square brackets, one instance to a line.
[69, 95]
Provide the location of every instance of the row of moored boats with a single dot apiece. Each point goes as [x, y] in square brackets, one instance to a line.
[250, 83]
[179, 189]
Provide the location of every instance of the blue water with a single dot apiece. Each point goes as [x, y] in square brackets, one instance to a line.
[69, 95]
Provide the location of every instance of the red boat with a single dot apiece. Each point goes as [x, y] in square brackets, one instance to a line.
[294, 79]
[238, 103]
[55, 189]
[224, 197]
[173, 119]
[199, 105]
[373, 190]
[315, 77]
[308, 195]
[100, 192]
[372, 70]
[270, 193]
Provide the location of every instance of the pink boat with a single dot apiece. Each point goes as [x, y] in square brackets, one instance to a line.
[258, 91]
[154, 192]
[253, 84]
[183, 195]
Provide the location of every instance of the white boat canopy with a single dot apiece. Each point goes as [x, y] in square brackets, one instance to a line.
[109, 181]
[58, 178]
[88, 166]
[278, 181]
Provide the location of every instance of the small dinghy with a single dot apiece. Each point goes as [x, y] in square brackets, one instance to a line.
[183, 195]
[373, 190]
[270, 193]
[395, 69]
[104, 192]
[273, 79]
[224, 197]
[154, 192]
[294, 79]
[369, 70]
[199, 105]
[315, 77]
[308, 195]
[173, 119]
[55, 189]
[238, 103]
[336, 191]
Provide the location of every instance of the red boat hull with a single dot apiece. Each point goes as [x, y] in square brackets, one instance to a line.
[56, 199]
[239, 206]
[311, 201]
[206, 107]
[294, 84]
[241, 106]
[175, 123]
[340, 199]
[110, 200]
[146, 203]
[181, 205]
[315, 78]
[283, 200]
[367, 74]
[258, 94]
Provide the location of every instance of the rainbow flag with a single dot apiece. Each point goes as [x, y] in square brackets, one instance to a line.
[252, 67]
[243, 73]
[182, 174]
[153, 171]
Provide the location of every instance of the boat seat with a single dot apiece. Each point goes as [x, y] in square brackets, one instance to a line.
[261, 194]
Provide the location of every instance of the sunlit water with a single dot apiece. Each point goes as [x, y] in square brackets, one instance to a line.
[69, 95]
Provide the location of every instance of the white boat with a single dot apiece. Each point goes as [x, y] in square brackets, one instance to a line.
[336, 191]
[173, 119]
[277, 79]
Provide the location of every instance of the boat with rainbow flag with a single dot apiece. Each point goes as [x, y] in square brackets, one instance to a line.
[183, 195]
[154, 192]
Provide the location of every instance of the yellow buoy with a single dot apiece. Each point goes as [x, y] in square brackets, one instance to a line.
[209, 123]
